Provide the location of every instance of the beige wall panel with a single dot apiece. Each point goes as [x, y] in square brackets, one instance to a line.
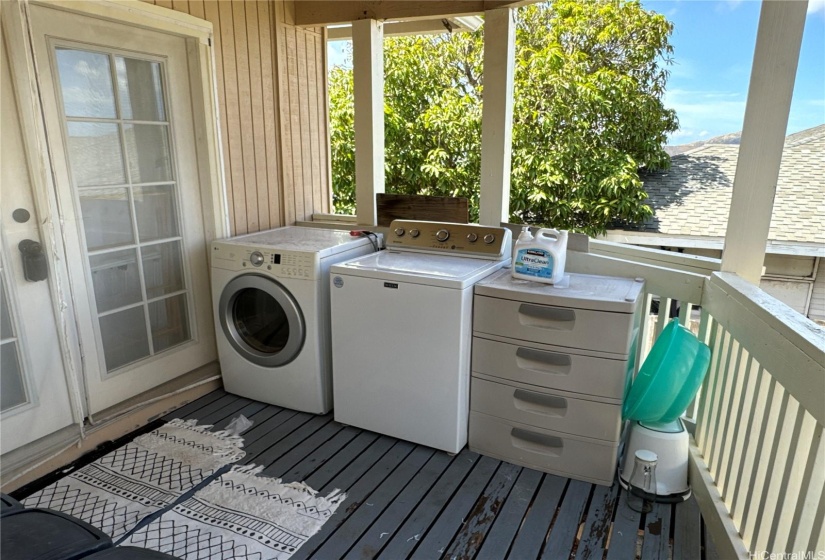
[271, 81]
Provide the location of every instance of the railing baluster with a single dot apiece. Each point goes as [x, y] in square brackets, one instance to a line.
[744, 407]
[732, 387]
[715, 403]
[692, 411]
[646, 341]
[664, 315]
[812, 479]
[685, 313]
[780, 522]
[817, 538]
[757, 410]
[768, 491]
[703, 420]
[754, 481]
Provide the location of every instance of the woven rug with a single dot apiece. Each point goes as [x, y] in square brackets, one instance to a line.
[240, 515]
[153, 471]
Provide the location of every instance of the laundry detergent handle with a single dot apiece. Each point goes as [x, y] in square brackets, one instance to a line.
[540, 258]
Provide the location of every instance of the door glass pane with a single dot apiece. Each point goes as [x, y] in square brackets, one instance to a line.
[107, 219]
[147, 151]
[140, 89]
[112, 159]
[12, 387]
[6, 330]
[260, 321]
[162, 269]
[94, 154]
[169, 321]
[157, 212]
[116, 279]
[124, 337]
[86, 84]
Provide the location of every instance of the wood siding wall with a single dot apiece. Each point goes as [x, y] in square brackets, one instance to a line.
[271, 81]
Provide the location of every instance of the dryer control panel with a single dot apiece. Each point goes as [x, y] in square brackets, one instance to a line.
[280, 264]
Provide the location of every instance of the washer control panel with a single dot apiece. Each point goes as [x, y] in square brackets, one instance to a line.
[282, 264]
[445, 237]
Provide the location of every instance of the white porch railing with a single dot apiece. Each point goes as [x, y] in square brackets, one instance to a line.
[758, 456]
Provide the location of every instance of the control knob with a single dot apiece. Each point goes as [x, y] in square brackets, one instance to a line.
[472, 237]
[256, 258]
[489, 238]
[399, 232]
[442, 235]
[414, 233]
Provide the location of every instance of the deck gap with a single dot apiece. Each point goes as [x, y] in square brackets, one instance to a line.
[619, 495]
[555, 516]
[582, 520]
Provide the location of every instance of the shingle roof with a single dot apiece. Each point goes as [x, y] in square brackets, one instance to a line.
[693, 196]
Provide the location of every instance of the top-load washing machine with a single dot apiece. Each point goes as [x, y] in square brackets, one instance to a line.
[402, 328]
[270, 294]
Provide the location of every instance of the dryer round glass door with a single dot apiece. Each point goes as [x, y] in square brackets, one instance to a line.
[261, 320]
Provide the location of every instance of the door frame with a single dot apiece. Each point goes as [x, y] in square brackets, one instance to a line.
[39, 147]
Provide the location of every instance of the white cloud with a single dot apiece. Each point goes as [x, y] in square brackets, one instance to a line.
[705, 113]
[815, 6]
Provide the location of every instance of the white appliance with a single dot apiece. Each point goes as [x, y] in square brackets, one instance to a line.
[402, 328]
[270, 295]
[670, 442]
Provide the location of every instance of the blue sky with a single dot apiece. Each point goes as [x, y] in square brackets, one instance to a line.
[713, 43]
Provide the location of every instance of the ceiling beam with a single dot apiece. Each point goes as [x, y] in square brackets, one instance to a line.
[416, 27]
[313, 13]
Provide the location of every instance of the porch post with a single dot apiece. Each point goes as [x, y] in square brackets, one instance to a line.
[778, 41]
[497, 116]
[368, 85]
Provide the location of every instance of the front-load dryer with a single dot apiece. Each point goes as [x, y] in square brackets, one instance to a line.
[270, 295]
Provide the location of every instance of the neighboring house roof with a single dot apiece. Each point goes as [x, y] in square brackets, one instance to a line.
[692, 198]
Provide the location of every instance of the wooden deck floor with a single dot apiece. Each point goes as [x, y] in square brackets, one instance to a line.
[409, 501]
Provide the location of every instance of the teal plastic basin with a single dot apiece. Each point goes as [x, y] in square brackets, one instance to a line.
[669, 378]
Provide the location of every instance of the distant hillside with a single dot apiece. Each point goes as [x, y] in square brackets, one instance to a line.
[732, 138]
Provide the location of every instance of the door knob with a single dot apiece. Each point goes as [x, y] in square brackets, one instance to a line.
[35, 267]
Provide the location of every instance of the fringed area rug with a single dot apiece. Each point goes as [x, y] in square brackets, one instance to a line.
[240, 515]
[121, 488]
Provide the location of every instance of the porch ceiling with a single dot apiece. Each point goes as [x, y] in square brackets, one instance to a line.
[313, 13]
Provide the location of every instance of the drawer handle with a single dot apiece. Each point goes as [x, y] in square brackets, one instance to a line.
[537, 443]
[543, 362]
[543, 317]
[547, 405]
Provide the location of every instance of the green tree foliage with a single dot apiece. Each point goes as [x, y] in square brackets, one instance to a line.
[589, 80]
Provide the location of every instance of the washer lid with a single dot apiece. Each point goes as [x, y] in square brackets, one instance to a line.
[420, 268]
[325, 242]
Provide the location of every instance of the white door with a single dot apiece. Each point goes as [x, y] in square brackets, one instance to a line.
[119, 116]
[34, 398]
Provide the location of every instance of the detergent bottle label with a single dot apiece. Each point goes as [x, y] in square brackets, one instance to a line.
[534, 262]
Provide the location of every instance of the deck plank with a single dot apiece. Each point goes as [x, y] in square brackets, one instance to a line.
[227, 411]
[248, 412]
[530, 538]
[218, 404]
[364, 448]
[474, 531]
[625, 530]
[291, 422]
[711, 552]
[507, 524]
[687, 534]
[657, 532]
[320, 456]
[373, 505]
[303, 449]
[190, 408]
[437, 539]
[564, 529]
[358, 480]
[597, 524]
[290, 441]
[387, 525]
[425, 513]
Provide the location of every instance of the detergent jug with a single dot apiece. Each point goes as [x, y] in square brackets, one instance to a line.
[540, 258]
